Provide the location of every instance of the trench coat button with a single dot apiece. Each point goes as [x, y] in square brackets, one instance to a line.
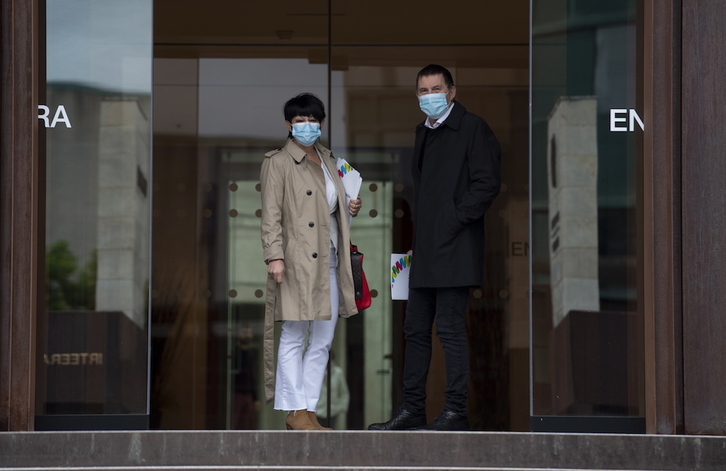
[308, 192]
[315, 255]
[311, 224]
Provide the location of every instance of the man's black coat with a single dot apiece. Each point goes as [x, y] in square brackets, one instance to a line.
[456, 178]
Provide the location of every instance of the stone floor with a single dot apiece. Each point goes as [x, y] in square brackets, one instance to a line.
[422, 451]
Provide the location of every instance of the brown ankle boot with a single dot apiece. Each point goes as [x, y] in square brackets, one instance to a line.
[314, 420]
[299, 420]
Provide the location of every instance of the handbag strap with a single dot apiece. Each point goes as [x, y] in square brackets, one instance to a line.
[356, 265]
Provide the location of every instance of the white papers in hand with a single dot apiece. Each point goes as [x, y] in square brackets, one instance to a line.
[400, 268]
[352, 180]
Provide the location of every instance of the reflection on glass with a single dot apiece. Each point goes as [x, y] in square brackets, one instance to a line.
[572, 207]
[585, 357]
[96, 115]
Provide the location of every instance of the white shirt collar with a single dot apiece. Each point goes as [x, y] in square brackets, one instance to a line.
[441, 119]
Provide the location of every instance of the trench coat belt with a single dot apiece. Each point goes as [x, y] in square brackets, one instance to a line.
[268, 346]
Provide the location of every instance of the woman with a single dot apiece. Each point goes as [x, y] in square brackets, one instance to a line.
[305, 237]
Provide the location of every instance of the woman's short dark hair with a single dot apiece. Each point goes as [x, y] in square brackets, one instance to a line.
[434, 69]
[305, 104]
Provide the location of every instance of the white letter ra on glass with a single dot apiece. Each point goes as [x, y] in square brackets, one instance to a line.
[60, 116]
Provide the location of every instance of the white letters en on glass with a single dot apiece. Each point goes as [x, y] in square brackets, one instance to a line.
[623, 115]
[60, 116]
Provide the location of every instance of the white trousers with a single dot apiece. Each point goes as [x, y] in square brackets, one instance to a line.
[300, 370]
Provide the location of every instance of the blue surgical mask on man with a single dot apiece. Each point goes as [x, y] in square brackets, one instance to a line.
[433, 104]
[306, 133]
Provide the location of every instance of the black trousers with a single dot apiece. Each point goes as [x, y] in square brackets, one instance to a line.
[447, 306]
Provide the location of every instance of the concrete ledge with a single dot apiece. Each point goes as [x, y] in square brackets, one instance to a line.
[284, 450]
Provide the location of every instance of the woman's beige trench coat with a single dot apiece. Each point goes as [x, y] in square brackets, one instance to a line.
[295, 228]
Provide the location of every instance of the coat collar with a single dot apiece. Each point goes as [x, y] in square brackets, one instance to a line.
[298, 154]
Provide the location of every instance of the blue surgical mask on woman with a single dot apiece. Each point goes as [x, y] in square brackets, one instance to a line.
[306, 133]
[433, 104]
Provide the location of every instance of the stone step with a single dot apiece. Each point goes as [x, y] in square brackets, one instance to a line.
[356, 450]
[294, 468]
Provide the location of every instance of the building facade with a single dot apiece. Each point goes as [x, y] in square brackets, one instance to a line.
[131, 271]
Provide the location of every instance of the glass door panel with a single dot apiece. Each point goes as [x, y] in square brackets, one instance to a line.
[95, 128]
[587, 346]
[223, 73]
[209, 286]
[219, 91]
[373, 88]
[381, 113]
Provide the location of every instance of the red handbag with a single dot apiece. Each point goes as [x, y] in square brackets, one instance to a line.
[362, 292]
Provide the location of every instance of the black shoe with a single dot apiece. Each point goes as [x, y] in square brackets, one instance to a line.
[449, 421]
[402, 420]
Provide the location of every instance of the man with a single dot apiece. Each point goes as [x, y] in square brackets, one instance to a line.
[456, 177]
